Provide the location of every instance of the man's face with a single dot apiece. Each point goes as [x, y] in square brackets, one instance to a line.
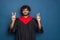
[25, 12]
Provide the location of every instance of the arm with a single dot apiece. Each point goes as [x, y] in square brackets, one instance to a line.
[38, 25]
[13, 20]
[38, 19]
[13, 23]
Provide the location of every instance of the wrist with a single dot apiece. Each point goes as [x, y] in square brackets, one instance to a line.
[39, 22]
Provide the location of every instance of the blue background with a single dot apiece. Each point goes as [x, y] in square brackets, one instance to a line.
[49, 12]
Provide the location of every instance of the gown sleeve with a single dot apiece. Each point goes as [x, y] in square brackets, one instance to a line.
[36, 26]
[14, 28]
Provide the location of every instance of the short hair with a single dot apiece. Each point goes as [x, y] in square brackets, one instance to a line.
[24, 7]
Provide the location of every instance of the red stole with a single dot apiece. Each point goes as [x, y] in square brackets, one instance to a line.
[25, 20]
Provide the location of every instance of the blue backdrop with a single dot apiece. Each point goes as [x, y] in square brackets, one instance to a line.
[50, 17]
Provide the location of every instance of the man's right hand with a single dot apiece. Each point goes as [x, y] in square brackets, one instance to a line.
[13, 20]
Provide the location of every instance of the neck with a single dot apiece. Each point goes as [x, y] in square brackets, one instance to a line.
[26, 16]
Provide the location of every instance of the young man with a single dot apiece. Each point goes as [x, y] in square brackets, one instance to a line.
[25, 26]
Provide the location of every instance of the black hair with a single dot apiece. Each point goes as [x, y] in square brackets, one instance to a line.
[24, 7]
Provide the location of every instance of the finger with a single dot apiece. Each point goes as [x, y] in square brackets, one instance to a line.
[15, 13]
[12, 13]
[38, 14]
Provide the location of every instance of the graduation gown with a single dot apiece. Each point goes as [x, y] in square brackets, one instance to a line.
[25, 28]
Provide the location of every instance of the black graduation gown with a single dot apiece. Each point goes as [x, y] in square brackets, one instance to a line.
[25, 31]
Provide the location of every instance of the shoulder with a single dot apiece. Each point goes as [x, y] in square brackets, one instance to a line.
[17, 19]
[34, 19]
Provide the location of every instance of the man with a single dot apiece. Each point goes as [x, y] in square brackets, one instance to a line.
[25, 26]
